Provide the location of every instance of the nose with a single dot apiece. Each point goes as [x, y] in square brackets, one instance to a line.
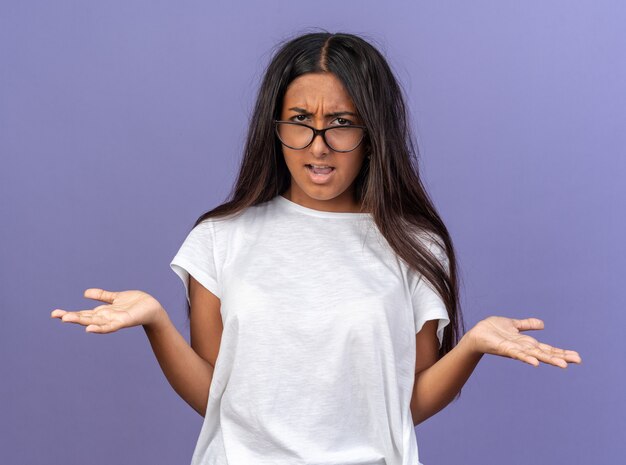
[318, 147]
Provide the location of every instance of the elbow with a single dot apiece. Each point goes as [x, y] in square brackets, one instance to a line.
[417, 419]
[201, 410]
[201, 406]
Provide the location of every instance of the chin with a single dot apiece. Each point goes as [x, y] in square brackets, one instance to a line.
[327, 195]
[319, 192]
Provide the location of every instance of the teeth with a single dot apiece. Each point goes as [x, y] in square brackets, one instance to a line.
[320, 166]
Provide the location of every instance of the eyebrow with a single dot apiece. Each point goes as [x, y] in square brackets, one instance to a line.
[337, 113]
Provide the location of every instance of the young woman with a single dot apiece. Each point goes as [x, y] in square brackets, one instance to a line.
[323, 296]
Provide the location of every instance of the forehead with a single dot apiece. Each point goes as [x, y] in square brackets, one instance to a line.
[315, 89]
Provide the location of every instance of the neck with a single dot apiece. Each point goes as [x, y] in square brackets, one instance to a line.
[342, 203]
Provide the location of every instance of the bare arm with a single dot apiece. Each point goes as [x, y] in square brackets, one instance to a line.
[188, 373]
[436, 384]
[188, 369]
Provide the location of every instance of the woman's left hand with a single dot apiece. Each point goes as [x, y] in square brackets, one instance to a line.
[499, 335]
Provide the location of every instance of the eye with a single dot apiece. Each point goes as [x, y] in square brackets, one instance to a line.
[295, 118]
[344, 122]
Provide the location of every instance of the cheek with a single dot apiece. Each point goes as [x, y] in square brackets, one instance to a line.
[293, 160]
[351, 167]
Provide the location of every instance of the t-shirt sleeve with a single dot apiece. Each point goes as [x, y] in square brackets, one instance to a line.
[197, 257]
[427, 304]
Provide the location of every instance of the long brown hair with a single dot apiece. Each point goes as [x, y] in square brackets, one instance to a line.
[388, 185]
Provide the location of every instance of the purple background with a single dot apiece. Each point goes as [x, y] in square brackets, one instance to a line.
[122, 121]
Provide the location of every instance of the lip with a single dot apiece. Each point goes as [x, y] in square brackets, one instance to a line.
[319, 178]
[311, 164]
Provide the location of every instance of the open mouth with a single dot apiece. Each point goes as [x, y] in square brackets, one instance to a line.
[320, 170]
[320, 174]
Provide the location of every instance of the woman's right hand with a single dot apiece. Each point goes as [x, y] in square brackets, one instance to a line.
[123, 310]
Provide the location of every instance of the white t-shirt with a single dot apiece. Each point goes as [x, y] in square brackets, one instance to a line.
[317, 357]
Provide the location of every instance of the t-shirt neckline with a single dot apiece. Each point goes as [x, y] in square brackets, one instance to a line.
[319, 213]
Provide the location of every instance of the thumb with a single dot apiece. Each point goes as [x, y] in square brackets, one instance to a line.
[528, 324]
[100, 294]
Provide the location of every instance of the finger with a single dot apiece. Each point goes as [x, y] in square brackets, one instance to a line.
[100, 294]
[75, 317]
[568, 355]
[524, 357]
[548, 356]
[573, 356]
[551, 349]
[85, 318]
[59, 313]
[528, 324]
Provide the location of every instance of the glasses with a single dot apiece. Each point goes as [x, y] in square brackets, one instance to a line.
[298, 136]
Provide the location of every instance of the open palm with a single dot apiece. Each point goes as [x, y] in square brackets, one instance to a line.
[122, 310]
[501, 336]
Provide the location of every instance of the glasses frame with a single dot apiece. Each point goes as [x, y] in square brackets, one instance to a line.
[321, 132]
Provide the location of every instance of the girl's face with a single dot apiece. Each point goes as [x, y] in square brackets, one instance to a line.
[320, 100]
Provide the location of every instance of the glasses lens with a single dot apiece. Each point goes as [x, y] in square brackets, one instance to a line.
[344, 139]
[341, 139]
[294, 135]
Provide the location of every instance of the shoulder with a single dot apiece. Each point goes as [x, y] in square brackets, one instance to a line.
[432, 244]
[430, 240]
[245, 220]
